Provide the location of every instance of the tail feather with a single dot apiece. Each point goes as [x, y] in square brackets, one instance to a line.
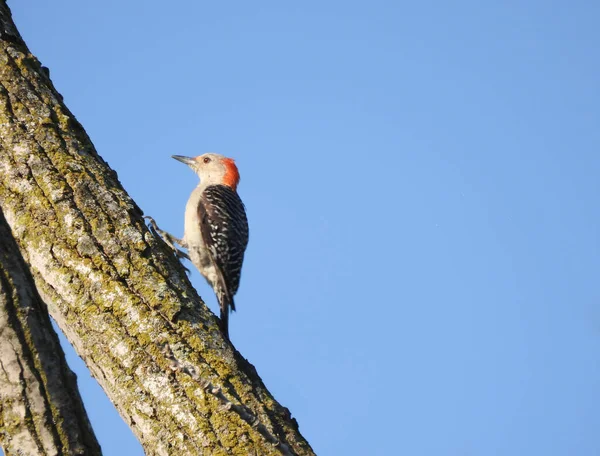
[225, 322]
[226, 305]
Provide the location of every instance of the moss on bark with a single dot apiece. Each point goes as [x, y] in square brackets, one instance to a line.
[41, 412]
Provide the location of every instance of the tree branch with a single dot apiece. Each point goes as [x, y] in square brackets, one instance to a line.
[117, 292]
[41, 412]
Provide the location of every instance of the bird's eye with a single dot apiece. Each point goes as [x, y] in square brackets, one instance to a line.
[206, 160]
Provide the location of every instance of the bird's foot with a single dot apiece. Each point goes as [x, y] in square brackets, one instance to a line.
[168, 239]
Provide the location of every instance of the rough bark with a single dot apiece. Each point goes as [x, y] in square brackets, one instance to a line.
[41, 412]
[115, 290]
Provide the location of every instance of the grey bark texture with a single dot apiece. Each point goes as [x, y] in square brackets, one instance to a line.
[116, 291]
[41, 412]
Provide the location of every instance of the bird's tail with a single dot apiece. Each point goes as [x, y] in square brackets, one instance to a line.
[226, 305]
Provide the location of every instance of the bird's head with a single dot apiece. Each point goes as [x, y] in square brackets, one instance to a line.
[213, 169]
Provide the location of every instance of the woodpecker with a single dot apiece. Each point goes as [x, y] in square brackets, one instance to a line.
[215, 228]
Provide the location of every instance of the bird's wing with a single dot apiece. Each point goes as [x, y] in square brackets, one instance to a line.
[224, 229]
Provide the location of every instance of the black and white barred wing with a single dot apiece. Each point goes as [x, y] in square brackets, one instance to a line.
[224, 229]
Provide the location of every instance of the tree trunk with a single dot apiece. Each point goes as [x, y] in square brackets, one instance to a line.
[116, 291]
[41, 412]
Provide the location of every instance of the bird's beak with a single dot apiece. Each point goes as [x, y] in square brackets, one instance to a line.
[187, 160]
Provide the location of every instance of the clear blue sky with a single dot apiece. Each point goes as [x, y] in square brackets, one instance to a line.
[422, 184]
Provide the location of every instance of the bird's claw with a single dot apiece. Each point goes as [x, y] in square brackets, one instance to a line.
[168, 239]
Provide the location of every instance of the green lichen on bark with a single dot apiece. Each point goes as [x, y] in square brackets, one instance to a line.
[116, 291]
[41, 412]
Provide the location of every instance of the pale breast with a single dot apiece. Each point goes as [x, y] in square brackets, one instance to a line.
[191, 231]
[192, 234]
